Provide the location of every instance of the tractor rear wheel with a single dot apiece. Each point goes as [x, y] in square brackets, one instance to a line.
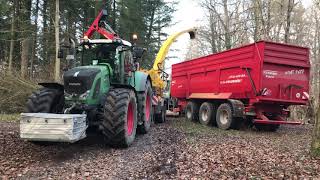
[46, 101]
[119, 122]
[145, 109]
[192, 111]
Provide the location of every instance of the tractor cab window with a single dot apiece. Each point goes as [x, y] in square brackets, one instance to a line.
[101, 53]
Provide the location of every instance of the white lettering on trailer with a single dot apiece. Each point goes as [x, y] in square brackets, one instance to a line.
[237, 76]
[233, 81]
[270, 73]
[294, 71]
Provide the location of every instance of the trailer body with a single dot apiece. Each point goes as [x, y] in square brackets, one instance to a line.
[266, 77]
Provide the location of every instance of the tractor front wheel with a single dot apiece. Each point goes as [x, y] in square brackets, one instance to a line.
[119, 122]
[46, 100]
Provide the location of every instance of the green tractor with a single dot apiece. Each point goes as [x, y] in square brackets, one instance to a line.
[107, 87]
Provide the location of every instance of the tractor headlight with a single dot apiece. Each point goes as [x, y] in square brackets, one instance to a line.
[84, 95]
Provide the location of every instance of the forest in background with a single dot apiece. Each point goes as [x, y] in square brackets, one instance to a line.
[27, 29]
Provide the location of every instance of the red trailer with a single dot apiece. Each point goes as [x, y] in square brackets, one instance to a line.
[257, 82]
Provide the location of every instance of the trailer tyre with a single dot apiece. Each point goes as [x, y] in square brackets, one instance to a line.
[46, 100]
[161, 117]
[145, 109]
[119, 123]
[192, 111]
[206, 113]
[224, 117]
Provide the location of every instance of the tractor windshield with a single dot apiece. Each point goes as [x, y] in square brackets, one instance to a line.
[101, 53]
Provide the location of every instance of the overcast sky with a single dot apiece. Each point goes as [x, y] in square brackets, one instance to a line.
[190, 14]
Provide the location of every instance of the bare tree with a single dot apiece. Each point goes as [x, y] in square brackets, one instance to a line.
[12, 37]
[290, 7]
[57, 64]
[315, 145]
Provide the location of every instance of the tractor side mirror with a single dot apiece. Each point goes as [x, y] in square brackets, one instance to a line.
[138, 52]
[60, 53]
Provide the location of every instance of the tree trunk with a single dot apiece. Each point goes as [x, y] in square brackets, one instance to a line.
[12, 38]
[227, 25]
[114, 14]
[35, 38]
[315, 146]
[24, 58]
[287, 30]
[213, 33]
[57, 65]
[256, 35]
[25, 46]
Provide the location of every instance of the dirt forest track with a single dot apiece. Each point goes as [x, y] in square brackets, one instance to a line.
[174, 150]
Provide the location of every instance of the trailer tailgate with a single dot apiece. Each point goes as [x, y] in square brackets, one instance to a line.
[285, 75]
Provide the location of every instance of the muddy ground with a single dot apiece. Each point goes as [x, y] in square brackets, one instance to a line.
[174, 150]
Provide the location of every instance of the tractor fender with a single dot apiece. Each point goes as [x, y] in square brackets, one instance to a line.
[140, 81]
[237, 107]
[52, 86]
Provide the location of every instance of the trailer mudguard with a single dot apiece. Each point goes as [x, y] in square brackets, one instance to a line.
[238, 107]
[139, 82]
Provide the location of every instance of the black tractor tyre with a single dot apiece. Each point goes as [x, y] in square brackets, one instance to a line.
[46, 100]
[206, 113]
[161, 117]
[145, 109]
[192, 111]
[267, 127]
[119, 123]
[224, 117]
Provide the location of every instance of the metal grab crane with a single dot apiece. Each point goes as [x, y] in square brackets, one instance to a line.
[155, 73]
[99, 25]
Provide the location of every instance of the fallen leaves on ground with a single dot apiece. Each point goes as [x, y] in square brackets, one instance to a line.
[175, 149]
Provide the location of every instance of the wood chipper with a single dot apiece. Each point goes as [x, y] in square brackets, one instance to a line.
[257, 82]
[162, 100]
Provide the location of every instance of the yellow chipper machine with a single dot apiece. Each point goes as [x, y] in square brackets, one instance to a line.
[162, 100]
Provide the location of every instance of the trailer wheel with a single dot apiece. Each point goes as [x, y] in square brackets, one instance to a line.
[161, 117]
[206, 113]
[119, 123]
[224, 117]
[192, 111]
[145, 109]
[46, 100]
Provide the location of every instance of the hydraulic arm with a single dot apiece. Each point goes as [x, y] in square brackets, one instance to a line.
[100, 25]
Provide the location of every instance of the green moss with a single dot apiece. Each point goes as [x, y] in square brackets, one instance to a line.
[9, 117]
[193, 129]
[315, 152]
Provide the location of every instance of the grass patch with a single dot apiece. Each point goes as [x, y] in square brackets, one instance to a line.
[196, 129]
[9, 117]
[14, 93]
